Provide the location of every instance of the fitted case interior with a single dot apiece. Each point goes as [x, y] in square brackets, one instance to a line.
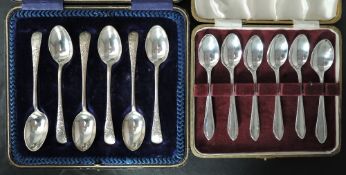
[226, 14]
[288, 89]
[21, 25]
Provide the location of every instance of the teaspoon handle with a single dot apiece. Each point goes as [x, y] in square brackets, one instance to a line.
[109, 136]
[133, 44]
[254, 120]
[232, 124]
[156, 134]
[36, 40]
[321, 123]
[60, 126]
[278, 126]
[84, 43]
[300, 118]
[209, 125]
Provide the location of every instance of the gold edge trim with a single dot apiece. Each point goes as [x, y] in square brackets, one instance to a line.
[97, 166]
[206, 20]
[265, 155]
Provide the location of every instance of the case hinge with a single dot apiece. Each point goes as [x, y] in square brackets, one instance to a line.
[43, 5]
[232, 23]
[298, 24]
[152, 4]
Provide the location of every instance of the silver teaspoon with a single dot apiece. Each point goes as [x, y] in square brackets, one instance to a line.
[84, 125]
[133, 128]
[253, 55]
[322, 59]
[231, 53]
[60, 47]
[157, 48]
[109, 48]
[208, 56]
[298, 55]
[276, 57]
[36, 126]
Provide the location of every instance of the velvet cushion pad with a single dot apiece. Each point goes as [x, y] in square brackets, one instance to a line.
[171, 86]
[221, 143]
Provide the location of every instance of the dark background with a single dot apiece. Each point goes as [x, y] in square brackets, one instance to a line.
[324, 165]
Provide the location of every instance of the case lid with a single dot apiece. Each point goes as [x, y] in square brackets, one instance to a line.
[136, 4]
[267, 11]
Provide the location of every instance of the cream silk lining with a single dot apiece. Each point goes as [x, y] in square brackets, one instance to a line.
[267, 9]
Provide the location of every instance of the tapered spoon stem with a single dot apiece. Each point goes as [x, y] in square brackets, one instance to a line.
[254, 120]
[232, 124]
[321, 123]
[60, 126]
[109, 136]
[300, 116]
[84, 41]
[35, 47]
[133, 44]
[209, 126]
[278, 125]
[156, 134]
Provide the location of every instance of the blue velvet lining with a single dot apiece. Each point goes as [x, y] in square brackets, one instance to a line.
[172, 87]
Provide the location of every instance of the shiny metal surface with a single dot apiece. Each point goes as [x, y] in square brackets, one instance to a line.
[61, 50]
[253, 56]
[208, 56]
[157, 48]
[298, 56]
[276, 57]
[84, 124]
[133, 127]
[109, 48]
[231, 53]
[36, 125]
[322, 59]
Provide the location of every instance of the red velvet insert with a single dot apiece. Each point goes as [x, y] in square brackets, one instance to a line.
[268, 89]
[244, 89]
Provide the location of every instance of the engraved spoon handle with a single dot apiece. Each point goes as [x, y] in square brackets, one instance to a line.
[232, 122]
[60, 126]
[109, 136]
[84, 43]
[156, 134]
[321, 123]
[209, 126]
[36, 40]
[133, 44]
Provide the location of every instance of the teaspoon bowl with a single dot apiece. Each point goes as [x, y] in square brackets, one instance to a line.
[231, 51]
[109, 45]
[277, 52]
[84, 130]
[299, 52]
[35, 130]
[133, 130]
[60, 45]
[208, 52]
[157, 45]
[253, 53]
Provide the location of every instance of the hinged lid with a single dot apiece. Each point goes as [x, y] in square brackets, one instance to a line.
[136, 4]
[267, 11]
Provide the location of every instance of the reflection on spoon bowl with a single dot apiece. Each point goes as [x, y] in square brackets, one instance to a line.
[35, 130]
[84, 130]
[133, 130]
